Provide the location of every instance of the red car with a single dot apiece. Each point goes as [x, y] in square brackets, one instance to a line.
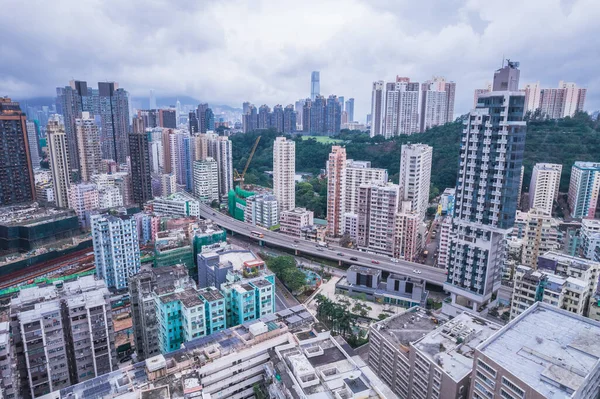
[375, 262]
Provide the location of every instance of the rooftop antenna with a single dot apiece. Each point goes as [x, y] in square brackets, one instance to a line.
[502, 61]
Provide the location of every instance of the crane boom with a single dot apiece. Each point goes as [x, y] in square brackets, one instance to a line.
[241, 177]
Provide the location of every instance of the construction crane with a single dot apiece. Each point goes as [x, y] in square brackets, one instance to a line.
[236, 175]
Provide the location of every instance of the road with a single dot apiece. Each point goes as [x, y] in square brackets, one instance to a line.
[430, 274]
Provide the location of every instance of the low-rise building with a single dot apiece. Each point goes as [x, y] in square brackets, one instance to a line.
[291, 222]
[178, 204]
[261, 210]
[590, 239]
[546, 352]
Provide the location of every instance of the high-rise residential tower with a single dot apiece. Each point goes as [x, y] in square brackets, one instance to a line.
[219, 148]
[206, 180]
[335, 181]
[401, 115]
[152, 103]
[350, 109]
[139, 152]
[437, 103]
[167, 118]
[415, 176]
[584, 189]
[284, 172]
[116, 249]
[88, 143]
[32, 139]
[58, 151]
[289, 119]
[333, 116]
[315, 85]
[543, 189]
[491, 155]
[114, 115]
[17, 184]
[377, 108]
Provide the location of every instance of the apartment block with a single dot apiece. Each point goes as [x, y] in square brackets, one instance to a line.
[116, 249]
[335, 189]
[59, 162]
[406, 233]
[540, 234]
[262, 210]
[83, 198]
[206, 180]
[543, 188]
[415, 176]
[445, 236]
[584, 188]
[546, 352]
[420, 356]
[249, 298]
[590, 239]
[177, 204]
[219, 148]
[377, 207]
[284, 172]
[88, 143]
[8, 383]
[62, 334]
[292, 221]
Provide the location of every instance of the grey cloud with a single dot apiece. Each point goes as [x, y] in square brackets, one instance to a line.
[231, 51]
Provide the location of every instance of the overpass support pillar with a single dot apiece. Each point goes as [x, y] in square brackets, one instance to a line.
[296, 252]
[261, 243]
[340, 262]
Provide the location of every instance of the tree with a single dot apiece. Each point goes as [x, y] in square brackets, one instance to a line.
[431, 211]
[382, 316]
[294, 279]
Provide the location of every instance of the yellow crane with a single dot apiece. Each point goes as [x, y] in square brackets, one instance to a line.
[236, 175]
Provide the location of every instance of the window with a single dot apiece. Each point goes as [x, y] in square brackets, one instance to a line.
[506, 382]
[486, 367]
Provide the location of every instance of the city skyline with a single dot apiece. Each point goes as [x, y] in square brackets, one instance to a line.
[265, 77]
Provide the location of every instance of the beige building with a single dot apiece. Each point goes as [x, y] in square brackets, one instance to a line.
[543, 189]
[59, 162]
[406, 233]
[335, 189]
[206, 180]
[533, 94]
[168, 184]
[546, 352]
[539, 234]
[88, 144]
[378, 205]
[415, 176]
[284, 172]
[291, 222]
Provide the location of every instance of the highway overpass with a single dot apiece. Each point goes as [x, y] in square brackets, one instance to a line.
[430, 274]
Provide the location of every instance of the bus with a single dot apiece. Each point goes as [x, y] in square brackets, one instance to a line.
[257, 234]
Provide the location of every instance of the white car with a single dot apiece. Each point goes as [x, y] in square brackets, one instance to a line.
[295, 246]
[418, 272]
[414, 270]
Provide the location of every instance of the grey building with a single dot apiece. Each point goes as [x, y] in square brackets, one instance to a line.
[63, 335]
[140, 163]
[276, 119]
[350, 109]
[289, 119]
[333, 116]
[315, 84]
[143, 310]
[211, 271]
[114, 113]
[491, 155]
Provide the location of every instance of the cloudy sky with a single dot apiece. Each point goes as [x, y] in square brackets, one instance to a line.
[229, 51]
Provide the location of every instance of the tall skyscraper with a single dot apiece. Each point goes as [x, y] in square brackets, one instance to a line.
[59, 162]
[32, 142]
[299, 114]
[193, 123]
[401, 114]
[306, 111]
[437, 103]
[584, 188]
[276, 119]
[335, 181]
[152, 100]
[491, 155]
[543, 189]
[167, 118]
[315, 85]
[17, 184]
[284, 172]
[219, 148]
[140, 163]
[263, 116]
[563, 101]
[317, 114]
[88, 143]
[201, 114]
[333, 116]
[114, 114]
[350, 109]
[289, 119]
[116, 249]
[532, 96]
[168, 150]
[206, 180]
[209, 118]
[250, 119]
[415, 176]
[377, 108]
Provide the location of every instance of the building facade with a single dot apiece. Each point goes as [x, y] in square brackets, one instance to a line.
[284, 173]
[584, 188]
[139, 152]
[59, 162]
[219, 148]
[415, 176]
[262, 210]
[206, 180]
[377, 207]
[292, 221]
[543, 189]
[335, 189]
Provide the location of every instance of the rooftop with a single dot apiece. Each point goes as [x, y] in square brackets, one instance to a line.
[572, 261]
[452, 345]
[211, 294]
[364, 270]
[550, 349]
[407, 327]
[32, 214]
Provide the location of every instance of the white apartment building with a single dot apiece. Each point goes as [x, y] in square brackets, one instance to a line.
[437, 102]
[284, 172]
[532, 96]
[377, 108]
[445, 234]
[178, 204]
[406, 233]
[88, 145]
[584, 188]
[378, 205]
[83, 198]
[415, 176]
[63, 335]
[350, 224]
[168, 184]
[262, 210]
[116, 249]
[543, 189]
[110, 197]
[59, 162]
[539, 234]
[32, 142]
[401, 108]
[590, 239]
[219, 148]
[206, 180]
[291, 222]
[356, 174]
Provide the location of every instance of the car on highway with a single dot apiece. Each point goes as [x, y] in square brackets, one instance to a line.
[416, 271]
[320, 249]
[296, 241]
[295, 246]
[340, 254]
[376, 262]
[353, 258]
